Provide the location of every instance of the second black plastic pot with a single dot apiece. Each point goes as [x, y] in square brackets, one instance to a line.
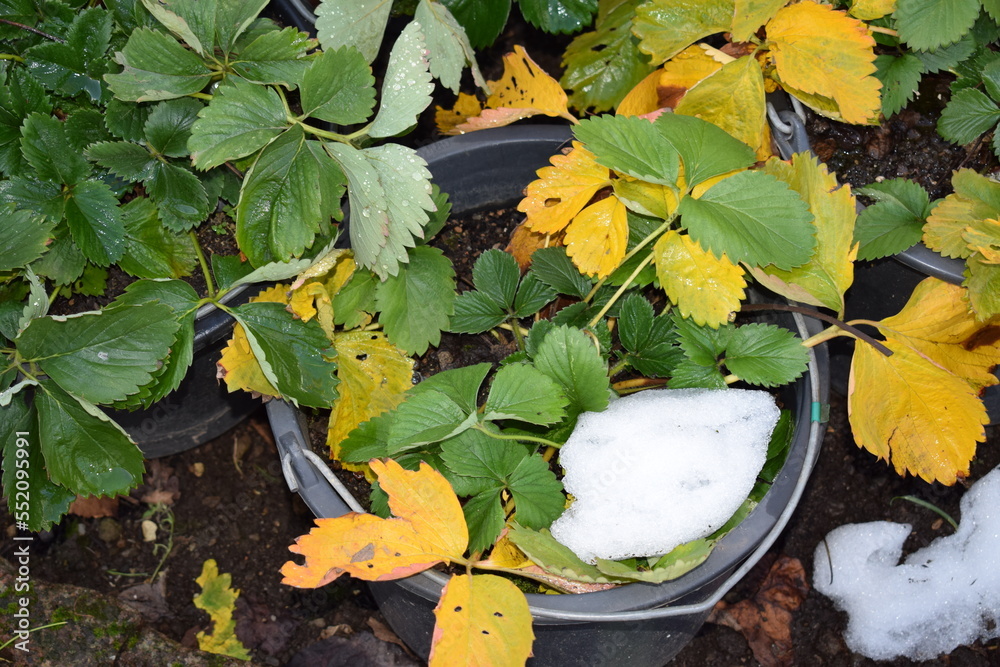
[638, 624]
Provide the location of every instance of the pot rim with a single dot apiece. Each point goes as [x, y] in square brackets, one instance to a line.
[732, 557]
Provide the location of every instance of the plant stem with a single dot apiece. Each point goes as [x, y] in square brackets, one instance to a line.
[528, 438]
[34, 30]
[884, 31]
[507, 326]
[209, 286]
[621, 290]
[618, 368]
[857, 333]
[486, 565]
[638, 384]
[200, 96]
[326, 134]
[40, 627]
[11, 56]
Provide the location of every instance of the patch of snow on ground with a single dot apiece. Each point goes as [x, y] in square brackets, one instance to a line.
[661, 468]
[942, 596]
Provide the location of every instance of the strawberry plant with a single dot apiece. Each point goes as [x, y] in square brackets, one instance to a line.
[122, 128]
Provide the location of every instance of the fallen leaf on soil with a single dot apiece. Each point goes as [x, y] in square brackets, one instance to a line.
[150, 600]
[384, 633]
[765, 620]
[161, 485]
[218, 598]
[94, 507]
[258, 627]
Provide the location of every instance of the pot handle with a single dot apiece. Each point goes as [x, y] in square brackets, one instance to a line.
[306, 473]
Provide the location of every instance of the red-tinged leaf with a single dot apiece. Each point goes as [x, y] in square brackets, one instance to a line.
[482, 621]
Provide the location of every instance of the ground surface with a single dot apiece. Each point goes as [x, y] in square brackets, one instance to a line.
[227, 501]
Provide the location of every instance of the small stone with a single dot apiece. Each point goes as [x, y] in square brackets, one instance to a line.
[197, 469]
[109, 530]
[149, 529]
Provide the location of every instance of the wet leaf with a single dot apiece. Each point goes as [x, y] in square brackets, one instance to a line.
[24, 236]
[823, 280]
[482, 19]
[868, 10]
[562, 190]
[821, 51]
[157, 67]
[241, 119]
[630, 145]
[667, 27]
[238, 366]
[482, 620]
[338, 87]
[218, 598]
[704, 287]
[428, 528]
[357, 23]
[407, 87]
[597, 238]
[447, 44]
[558, 16]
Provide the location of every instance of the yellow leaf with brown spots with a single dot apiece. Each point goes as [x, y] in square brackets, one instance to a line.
[428, 528]
[562, 190]
[374, 374]
[911, 412]
[733, 99]
[822, 51]
[665, 87]
[466, 106]
[597, 237]
[482, 621]
[702, 286]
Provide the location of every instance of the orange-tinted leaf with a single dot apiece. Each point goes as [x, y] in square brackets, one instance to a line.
[822, 51]
[597, 237]
[374, 374]
[869, 10]
[825, 278]
[524, 242]
[733, 99]
[524, 90]
[752, 14]
[667, 27]
[482, 621]
[238, 366]
[562, 190]
[643, 98]
[937, 323]
[665, 87]
[466, 106]
[428, 528]
[905, 409]
[704, 287]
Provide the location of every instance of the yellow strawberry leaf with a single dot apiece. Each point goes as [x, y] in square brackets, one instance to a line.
[374, 374]
[752, 14]
[647, 198]
[219, 600]
[597, 237]
[824, 106]
[983, 237]
[905, 409]
[665, 87]
[825, 52]
[643, 98]
[524, 90]
[312, 300]
[704, 287]
[975, 198]
[733, 99]
[984, 288]
[466, 106]
[429, 528]
[824, 279]
[506, 554]
[482, 621]
[667, 27]
[869, 10]
[339, 260]
[937, 323]
[238, 366]
[562, 190]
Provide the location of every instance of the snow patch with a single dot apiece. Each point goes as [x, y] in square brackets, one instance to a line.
[661, 468]
[940, 597]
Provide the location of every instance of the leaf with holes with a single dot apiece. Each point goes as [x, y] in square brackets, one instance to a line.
[562, 190]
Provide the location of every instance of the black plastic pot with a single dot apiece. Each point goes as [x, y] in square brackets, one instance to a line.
[201, 409]
[881, 288]
[297, 13]
[638, 624]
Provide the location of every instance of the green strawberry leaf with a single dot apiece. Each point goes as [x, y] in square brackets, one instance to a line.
[241, 119]
[43, 142]
[896, 220]
[706, 150]
[496, 274]
[475, 313]
[168, 127]
[651, 342]
[558, 16]
[752, 217]
[23, 453]
[21, 97]
[407, 88]
[64, 262]
[227, 269]
[294, 355]
[538, 495]
[689, 374]
[151, 251]
[532, 294]
[124, 159]
[524, 393]
[416, 303]
[631, 145]
[544, 551]
[95, 221]
[900, 76]
[929, 25]
[482, 19]
[447, 45]
[569, 357]
[461, 385]
[156, 67]
[24, 237]
[426, 417]
[968, 114]
[76, 65]
[338, 87]
[681, 560]
[101, 356]
[553, 267]
[84, 450]
[277, 57]
[702, 344]
[485, 517]
[356, 300]
[474, 454]
[179, 195]
[602, 66]
[357, 23]
[126, 120]
[766, 355]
